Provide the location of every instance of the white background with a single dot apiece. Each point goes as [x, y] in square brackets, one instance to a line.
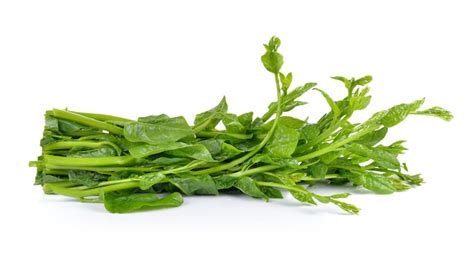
[133, 58]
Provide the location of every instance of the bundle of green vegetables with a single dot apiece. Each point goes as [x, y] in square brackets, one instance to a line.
[148, 163]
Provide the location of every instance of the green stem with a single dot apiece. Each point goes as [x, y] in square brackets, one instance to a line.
[182, 169]
[60, 145]
[104, 117]
[72, 116]
[102, 170]
[55, 172]
[71, 192]
[306, 178]
[327, 176]
[213, 134]
[107, 183]
[88, 162]
[199, 128]
[268, 114]
[254, 171]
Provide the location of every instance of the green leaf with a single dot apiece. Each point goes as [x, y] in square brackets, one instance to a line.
[152, 119]
[85, 178]
[43, 179]
[285, 82]
[330, 156]
[283, 142]
[318, 170]
[194, 185]
[126, 202]
[246, 119]
[282, 162]
[272, 60]
[374, 182]
[195, 151]
[374, 137]
[374, 120]
[399, 185]
[167, 130]
[225, 181]
[220, 150]
[334, 108]
[383, 158]
[213, 146]
[364, 80]
[349, 208]
[249, 186]
[288, 106]
[286, 121]
[297, 92]
[412, 179]
[227, 152]
[150, 179]
[350, 84]
[49, 137]
[378, 183]
[298, 192]
[289, 101]
[208, 120]
[347, 82]
[145, 150]
[232, 123]
[166, 161]
[359, 102]
[51, 123]
[67, 127]
[395, 148]
[310, 132]
[398, 113]
[436, 112]
[93, 153]
[271, 192]
[302, 197]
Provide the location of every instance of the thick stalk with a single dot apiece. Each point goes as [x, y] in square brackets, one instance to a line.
[102, 170]
[104, 117]
[61, 145]
[91, 122]
[55, 172]
[88, 162]
[71, 192]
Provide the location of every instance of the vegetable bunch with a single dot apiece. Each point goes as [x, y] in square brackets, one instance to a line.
[149, 163]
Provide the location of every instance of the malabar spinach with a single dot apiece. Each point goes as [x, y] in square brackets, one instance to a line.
[148, 163]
